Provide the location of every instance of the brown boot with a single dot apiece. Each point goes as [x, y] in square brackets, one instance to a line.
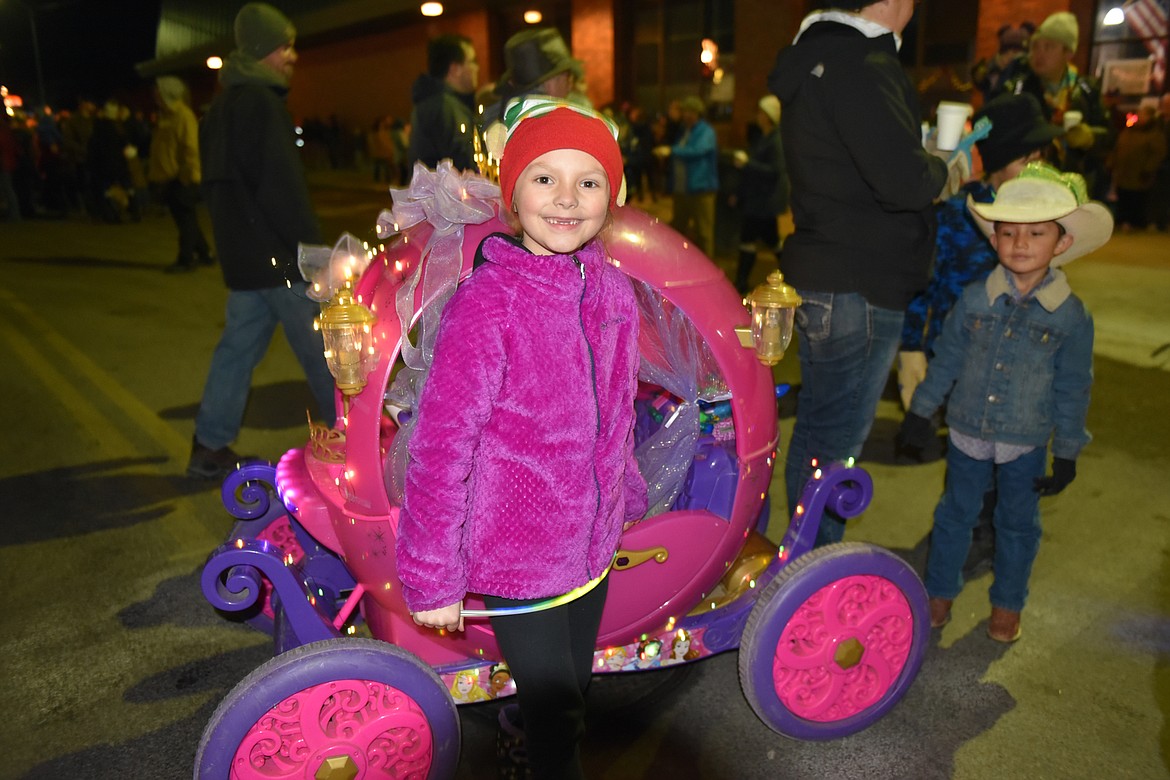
[940, 612]
[1004, 625]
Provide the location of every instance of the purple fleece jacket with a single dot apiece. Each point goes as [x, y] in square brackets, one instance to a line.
[522, 467]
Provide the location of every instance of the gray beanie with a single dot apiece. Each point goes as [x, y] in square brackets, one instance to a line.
[261, 30]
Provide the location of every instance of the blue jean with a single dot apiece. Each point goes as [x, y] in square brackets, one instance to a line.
[252, 317]
[847, 349]
[1017, 525]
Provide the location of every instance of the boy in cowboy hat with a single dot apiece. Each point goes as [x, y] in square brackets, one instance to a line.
[1014, 365]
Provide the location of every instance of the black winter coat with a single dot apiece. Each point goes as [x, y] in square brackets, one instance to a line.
[254, 182]
[441, 125]
[862, 185]
[763, 182]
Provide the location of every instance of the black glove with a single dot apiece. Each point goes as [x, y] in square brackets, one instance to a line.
[1064, 471]
[914, 435]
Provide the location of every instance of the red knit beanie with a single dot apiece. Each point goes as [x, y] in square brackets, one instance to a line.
[561, 128]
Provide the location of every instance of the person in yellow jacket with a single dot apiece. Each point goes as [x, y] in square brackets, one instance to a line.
[174, 171]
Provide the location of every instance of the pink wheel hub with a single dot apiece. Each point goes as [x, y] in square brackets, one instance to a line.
[339, 729]
[843, 648]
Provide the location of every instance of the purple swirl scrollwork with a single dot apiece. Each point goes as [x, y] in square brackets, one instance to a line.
[248, 493]
[843, 489]
[233, 580]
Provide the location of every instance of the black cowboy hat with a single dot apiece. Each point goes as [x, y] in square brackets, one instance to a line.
[1017, 128]
[532, 57]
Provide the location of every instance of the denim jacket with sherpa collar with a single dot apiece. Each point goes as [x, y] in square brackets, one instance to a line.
[1017, 371]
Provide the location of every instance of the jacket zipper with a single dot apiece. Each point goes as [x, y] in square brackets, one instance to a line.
[596, 410]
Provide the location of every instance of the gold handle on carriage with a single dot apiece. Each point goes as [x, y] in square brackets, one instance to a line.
[628, 559]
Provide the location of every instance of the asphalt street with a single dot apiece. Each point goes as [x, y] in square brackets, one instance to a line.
[114, 663]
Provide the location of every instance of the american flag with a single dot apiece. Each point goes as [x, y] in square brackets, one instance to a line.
[1147, 20]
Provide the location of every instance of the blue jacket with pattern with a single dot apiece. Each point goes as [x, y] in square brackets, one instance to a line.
[962, 255]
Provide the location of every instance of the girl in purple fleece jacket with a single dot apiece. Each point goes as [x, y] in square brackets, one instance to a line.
[522, 471]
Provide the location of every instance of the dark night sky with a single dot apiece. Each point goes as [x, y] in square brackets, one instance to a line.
[88, 48]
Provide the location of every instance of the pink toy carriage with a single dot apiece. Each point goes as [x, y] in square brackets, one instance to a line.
[829, 639]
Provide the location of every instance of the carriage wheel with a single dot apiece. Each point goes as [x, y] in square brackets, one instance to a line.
[352, 708]
[834, 641]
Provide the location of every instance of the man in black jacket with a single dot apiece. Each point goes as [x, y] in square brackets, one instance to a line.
[862, 190]
[443, 120]
[260, 211]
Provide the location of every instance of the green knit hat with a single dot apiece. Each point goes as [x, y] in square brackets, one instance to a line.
[1060, 27]
[261, 29]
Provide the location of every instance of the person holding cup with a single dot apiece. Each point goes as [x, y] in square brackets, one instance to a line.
[863, 188]
[1019, 134]
[1068, 99]
[762, 192]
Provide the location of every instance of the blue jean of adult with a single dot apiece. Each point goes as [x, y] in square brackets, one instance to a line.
[1017, 525]
[847, 348]
[252, 317]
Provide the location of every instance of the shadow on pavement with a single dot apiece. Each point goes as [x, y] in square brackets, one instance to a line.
[88, 498]
[87, 262]
[271, 407]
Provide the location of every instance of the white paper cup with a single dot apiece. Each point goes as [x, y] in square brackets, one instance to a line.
[952, 118]
[1072, 119]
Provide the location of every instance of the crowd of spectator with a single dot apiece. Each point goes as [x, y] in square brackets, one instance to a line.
[87, 160]
[91, 159]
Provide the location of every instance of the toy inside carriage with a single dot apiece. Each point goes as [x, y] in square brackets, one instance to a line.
[828, 639]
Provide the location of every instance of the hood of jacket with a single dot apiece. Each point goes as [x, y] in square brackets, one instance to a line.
[242, 69]
[426, 86]
[820, 34]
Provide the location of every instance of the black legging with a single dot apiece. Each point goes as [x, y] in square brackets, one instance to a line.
[550, 654]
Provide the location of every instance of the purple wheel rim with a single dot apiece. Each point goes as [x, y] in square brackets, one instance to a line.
[834, 641]
[337, 708]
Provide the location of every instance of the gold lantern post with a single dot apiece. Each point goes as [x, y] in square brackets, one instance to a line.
[349, 344]
[773, 305]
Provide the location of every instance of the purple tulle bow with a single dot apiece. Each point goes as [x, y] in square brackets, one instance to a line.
[446, 199]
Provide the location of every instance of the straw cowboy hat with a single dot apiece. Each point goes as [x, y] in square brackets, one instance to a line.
[1043, 194]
